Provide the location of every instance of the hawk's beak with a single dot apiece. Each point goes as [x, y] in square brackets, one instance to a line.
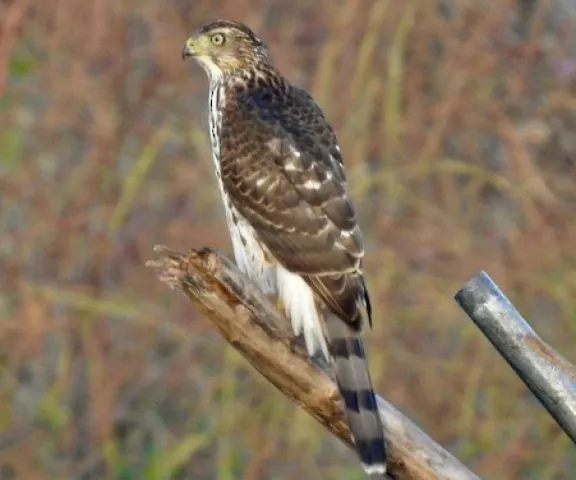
[188, 50]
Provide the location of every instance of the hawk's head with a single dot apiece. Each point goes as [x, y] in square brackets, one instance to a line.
[225, 47]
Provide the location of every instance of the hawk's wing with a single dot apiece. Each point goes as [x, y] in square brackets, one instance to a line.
[282, 167]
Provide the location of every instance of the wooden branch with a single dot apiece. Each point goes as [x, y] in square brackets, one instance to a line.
[253, 325]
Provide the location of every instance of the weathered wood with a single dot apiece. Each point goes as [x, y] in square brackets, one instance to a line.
[253, 325]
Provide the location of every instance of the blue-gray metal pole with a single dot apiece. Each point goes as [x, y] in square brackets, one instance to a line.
[549, 376]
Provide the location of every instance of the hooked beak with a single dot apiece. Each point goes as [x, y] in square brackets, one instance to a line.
[188, 50]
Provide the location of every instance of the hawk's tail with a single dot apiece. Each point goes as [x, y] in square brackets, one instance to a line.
[353, 379]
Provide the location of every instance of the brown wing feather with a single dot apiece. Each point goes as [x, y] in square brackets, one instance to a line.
[282, 168]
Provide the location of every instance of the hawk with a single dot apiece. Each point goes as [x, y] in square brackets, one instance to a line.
[292, 224]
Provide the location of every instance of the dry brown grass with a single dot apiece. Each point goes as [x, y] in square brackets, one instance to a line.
[457, 125]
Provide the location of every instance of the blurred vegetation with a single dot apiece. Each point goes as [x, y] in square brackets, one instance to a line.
[458, 123]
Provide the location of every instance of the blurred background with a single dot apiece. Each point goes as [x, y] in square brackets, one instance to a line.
[457, 120]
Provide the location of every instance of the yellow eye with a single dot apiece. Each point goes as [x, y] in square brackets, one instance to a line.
[217, 39]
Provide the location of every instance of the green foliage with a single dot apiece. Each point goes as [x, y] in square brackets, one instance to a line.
[11, 142]
[52, 412]
[22, 65]
[133, 180]
[165, 464]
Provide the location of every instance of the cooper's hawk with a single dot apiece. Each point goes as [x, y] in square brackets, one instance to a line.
[292, 224]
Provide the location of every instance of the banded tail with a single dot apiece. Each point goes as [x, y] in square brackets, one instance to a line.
[356, 391]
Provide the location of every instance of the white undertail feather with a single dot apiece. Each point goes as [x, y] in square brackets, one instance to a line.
[298, 300]
[293, 291]
[377, 469]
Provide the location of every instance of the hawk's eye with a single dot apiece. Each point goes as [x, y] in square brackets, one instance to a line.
[217, 39]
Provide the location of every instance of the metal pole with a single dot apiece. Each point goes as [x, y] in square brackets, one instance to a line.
[551, 378]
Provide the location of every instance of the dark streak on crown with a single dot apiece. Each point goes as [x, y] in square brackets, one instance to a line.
[246, 31]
